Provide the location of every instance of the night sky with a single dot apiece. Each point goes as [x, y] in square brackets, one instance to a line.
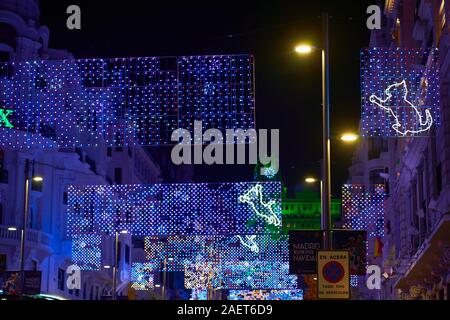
[288, 87]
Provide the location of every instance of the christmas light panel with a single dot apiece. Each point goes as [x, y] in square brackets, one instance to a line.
[122, 102]
[170, 209]
[245, 275]
[142, 276]
[266, 295]
[86, 251]
[400, 92]
[200, 295]
[364, 210]
[215, 250]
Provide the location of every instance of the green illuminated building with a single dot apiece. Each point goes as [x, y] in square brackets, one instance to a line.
[302, 212]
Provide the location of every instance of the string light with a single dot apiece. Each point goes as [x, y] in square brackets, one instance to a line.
[406, 110]
[86, 251]
[169, 209]
[364, 210]
[213, 250]
[142, 276]
[122, 101]
[266, 295]
[246, 275]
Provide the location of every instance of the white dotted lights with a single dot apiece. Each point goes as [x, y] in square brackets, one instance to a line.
[400, 91]
[123, 101]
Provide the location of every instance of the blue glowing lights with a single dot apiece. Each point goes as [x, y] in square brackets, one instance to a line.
[400, 92]
[122, 102]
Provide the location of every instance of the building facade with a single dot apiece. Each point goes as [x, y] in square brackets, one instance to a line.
[47, 247]
[416, 170]
[303, 212]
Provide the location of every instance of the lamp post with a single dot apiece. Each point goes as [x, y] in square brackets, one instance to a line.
[326, 171]
[163, 293]
[29, 172]
[305, 49]
[116, 262]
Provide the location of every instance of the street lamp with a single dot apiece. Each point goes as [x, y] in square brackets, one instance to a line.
[29, 172]
[116, 261]
[304, 49]
[326, 170]
[349, 137]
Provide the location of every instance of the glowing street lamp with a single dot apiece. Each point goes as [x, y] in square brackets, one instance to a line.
[304, 49]
[349, 137]
[38, 179]
[311, 180]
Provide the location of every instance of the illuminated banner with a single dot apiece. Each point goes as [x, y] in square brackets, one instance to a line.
[142, 276]
[268, 295]
[245, 275]
[87, 251]
[122, 102]
[363, 210]
[214, 249]
[400, 92]
[175, 209]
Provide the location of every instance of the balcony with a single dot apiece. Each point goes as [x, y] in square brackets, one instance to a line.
[432, 259]
[35, 239]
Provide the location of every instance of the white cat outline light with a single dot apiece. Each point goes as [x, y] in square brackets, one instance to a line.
[249, 243]
[255, 195]
[424, 125]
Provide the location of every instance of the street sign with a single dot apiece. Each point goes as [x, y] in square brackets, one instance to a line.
[303, 246]
[333, 275]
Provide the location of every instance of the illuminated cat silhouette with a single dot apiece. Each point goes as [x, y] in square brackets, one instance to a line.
[250, 243]
[414, 127]
[254, 198]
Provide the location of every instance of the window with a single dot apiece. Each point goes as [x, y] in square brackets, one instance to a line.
[91, 163]
[439, 178]
[127, 254]
[2, 262]
[1, 213]
[118, 175]
[3, 172]
[35, 265]
[119, 251]
[65, 198]
[376, 147]
[97, 290]
[61, 278]
[109, 152]
[84, 291]
[36, 185]
[91, 293]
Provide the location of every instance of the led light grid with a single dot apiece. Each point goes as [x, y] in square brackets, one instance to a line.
[124, 101]
[175, 209]
[248, 275]
[266, 295]
[216, 250]
[400, 91]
